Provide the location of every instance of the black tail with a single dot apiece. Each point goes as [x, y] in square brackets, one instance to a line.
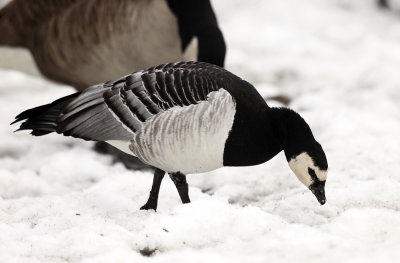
[42, 120]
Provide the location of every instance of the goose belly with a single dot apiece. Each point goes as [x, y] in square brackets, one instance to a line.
[188, 139]
[193, 154]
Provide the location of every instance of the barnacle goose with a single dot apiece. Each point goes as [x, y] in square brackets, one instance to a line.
[84, 42]
[185, 117]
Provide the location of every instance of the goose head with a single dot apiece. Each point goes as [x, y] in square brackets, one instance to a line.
[311, 168]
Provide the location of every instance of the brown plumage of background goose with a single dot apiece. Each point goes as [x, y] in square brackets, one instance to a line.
[85, 42]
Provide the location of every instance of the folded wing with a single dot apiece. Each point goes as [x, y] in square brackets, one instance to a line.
[117, 110]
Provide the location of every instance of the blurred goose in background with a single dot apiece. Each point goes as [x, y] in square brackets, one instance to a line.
[84, 42]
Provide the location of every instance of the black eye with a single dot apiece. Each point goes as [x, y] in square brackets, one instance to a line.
[311, 172]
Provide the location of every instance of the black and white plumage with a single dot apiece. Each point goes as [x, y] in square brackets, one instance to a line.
[185, 117]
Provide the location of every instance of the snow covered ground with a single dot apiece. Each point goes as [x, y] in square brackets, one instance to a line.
[338, 60]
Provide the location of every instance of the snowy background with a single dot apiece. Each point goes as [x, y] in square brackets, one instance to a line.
[339, 63]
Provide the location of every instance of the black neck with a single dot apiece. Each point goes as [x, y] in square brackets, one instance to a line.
[291, 130]
[256, 138]
[197, 19]
[252, 139]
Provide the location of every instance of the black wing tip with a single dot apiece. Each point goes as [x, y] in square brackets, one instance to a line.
[26, 114]
[40, 132]
[22, 116]
[35, 118]
[15, 121]
[34, 131]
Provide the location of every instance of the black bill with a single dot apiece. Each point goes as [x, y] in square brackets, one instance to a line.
[318, 189]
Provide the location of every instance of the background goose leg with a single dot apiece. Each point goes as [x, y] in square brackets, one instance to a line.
[129, 161]
[384, 4]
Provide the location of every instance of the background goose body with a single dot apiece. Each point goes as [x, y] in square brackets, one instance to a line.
[81, 43]
[185, 117]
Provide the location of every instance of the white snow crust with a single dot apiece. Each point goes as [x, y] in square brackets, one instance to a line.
[338, 60]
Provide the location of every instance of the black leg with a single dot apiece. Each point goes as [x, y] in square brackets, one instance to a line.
[179, 180]
[155, 189]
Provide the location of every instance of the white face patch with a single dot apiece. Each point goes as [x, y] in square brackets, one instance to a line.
[300, 165]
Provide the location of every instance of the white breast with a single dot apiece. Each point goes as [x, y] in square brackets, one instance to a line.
[189, 139]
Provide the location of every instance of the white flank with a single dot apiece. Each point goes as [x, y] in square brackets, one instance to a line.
[300, 165]
[189, 139]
